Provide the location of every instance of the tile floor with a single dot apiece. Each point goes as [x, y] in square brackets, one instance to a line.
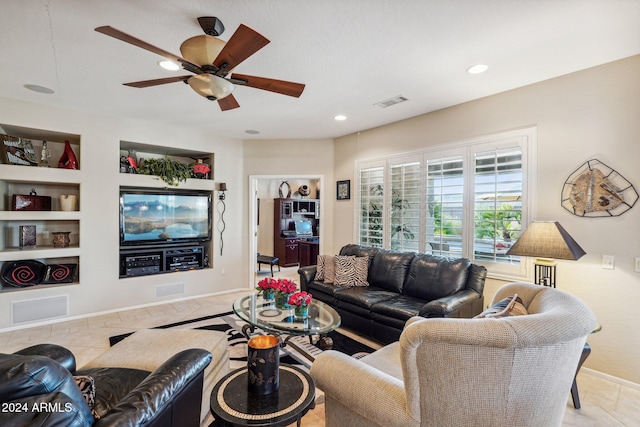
[604, 403]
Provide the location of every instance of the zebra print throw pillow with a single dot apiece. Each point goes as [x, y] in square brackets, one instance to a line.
[88, 389]
[325, 270]
[351, 271]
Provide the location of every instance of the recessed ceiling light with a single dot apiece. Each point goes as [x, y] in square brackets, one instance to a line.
[340, 117]
[477, 69]
[252, 131]
[169, 65]
[39, 89]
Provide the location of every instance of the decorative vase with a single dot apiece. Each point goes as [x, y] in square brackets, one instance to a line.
[267, 294]
[68, 159]
[68, 202]
[201, 170]
[302, 311]
[61, 239]
[281, 300]
[263, 364]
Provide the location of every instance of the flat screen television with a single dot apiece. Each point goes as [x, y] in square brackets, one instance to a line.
[149, 217]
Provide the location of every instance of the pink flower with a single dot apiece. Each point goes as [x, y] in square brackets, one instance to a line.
[287, 286]
[267, 283]
[300, 299]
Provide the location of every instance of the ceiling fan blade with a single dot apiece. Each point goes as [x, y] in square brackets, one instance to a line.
[242, 44]
[272, 85]
[156, 82]
[115, 33]
[229, 102]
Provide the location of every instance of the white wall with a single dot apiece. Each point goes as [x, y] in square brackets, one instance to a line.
[291, 158]
[100, 288]
[580, 116]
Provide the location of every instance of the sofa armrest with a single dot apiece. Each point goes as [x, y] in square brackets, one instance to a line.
[150, 398]
[53, 351]
[361, 388]
[307, 274]
[443, 307]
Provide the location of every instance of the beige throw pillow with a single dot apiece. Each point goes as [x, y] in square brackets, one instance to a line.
[509, 306]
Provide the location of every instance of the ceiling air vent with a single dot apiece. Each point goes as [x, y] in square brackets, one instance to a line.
[391, 101]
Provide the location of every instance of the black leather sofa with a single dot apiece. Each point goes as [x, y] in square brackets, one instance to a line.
[401, 285]
[37, 388]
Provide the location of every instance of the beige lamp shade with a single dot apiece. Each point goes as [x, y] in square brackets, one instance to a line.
[202, 50]
[547, 239]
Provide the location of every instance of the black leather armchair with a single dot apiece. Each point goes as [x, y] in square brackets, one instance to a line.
[38, 389]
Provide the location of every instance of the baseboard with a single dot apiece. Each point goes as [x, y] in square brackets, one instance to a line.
[610, 378]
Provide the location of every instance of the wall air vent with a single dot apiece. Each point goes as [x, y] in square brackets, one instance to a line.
[391, 101]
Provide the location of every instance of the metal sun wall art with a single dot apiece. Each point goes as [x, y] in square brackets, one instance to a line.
[596, 190]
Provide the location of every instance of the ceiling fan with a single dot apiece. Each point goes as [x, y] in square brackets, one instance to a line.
[212, 60]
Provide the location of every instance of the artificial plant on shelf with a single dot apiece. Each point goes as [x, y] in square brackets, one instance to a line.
[167, 169]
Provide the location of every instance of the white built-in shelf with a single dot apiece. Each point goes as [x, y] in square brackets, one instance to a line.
[38, 252]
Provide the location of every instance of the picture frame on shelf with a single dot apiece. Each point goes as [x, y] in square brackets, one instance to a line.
[343, 189]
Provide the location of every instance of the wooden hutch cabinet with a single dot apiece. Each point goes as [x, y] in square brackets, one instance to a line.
[290, 216]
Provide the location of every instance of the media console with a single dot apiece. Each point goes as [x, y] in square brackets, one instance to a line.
[154, 260]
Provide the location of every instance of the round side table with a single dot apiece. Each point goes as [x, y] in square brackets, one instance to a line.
[233, 405]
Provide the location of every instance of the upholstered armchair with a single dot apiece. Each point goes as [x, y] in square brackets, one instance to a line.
[508, 371]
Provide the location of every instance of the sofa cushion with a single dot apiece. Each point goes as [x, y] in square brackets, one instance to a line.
[389, 269]
[400, 307]
[351, 271]
[363, 296]
[431, 277]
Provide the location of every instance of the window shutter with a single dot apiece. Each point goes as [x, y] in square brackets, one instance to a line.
[371, 206]
[404, 215]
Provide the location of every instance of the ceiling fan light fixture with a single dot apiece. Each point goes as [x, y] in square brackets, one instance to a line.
[477, 69]
[201, 50]
[169, 65]
[211, 87]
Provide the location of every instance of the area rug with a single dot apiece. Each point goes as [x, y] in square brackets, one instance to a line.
[230, 324]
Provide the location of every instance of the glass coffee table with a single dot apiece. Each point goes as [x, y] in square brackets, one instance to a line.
[263, 314]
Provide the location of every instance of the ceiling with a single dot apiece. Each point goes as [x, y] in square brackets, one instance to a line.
[351, 54]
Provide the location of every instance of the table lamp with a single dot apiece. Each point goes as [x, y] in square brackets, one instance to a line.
[546, 241]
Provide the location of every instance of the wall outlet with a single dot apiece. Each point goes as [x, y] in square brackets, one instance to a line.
[608, 262]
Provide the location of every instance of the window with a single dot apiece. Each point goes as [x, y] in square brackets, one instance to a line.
[371, 205]
[468, 199]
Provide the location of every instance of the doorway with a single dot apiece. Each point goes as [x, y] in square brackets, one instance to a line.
[263, 190]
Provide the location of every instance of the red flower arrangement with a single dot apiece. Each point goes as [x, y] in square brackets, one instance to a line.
[300, 299]
[267, 284]
[286, 286]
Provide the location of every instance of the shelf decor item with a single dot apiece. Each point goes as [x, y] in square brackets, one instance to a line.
[69, 202]
[20, 274]
[30, 202]
[60, 273]
[170, 171]
[27, 236]
[61, 239]
[68, 159]
[19, 151]
[281, 190]
[201, 170]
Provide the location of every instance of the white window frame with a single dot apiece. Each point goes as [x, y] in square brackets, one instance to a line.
[525, 138]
